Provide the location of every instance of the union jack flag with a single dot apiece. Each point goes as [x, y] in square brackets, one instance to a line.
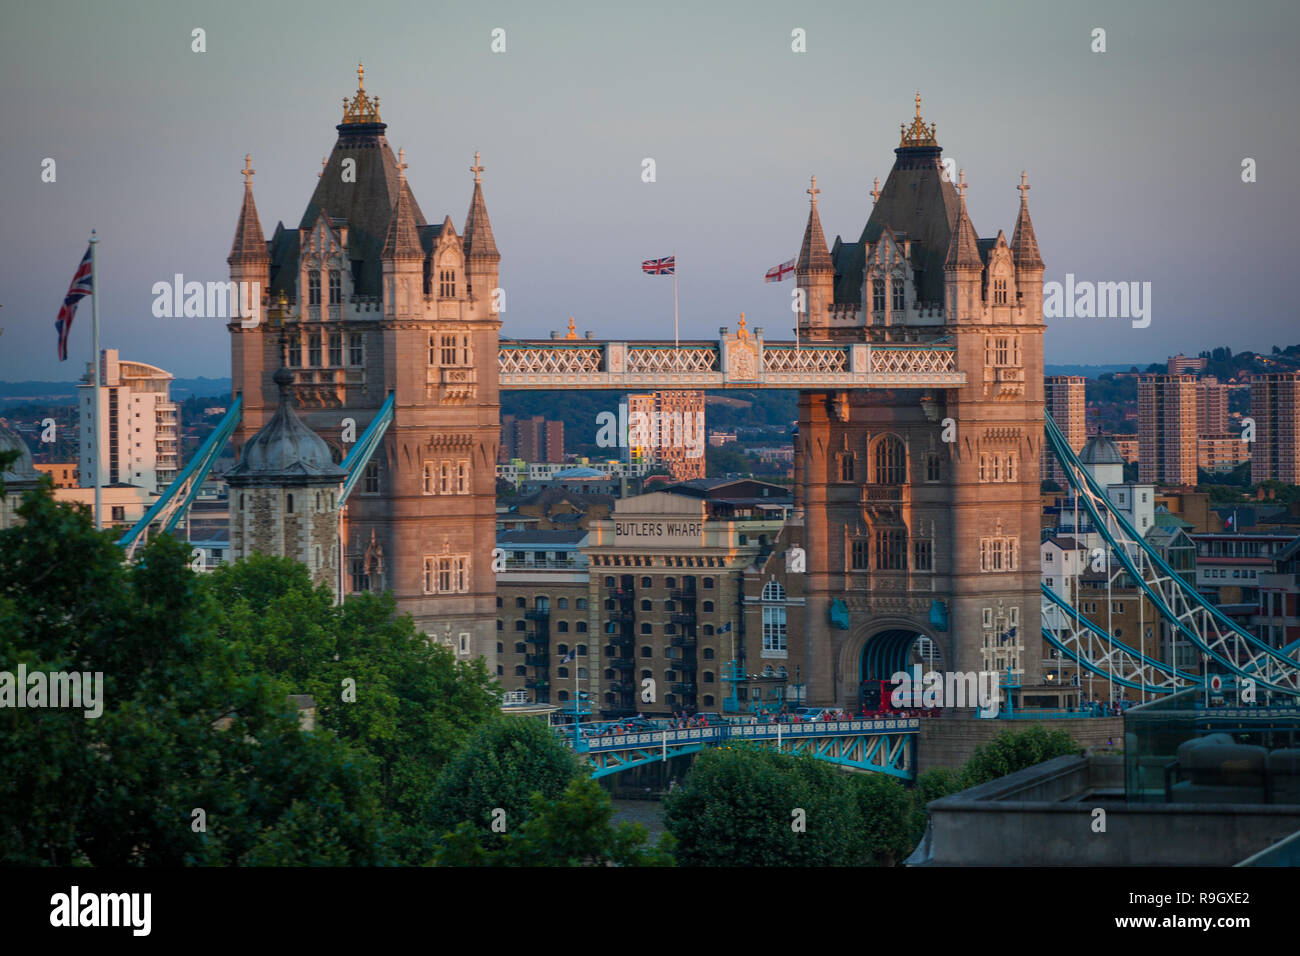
[779, 273]
[660, 267]
[81, 286]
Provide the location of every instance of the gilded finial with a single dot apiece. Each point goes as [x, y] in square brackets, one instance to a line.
[362, 108]
[248, 172]
[477, 169]
[401, 163]
[813, 190]
[961, 184]
[742, 332]
[918, 134]
[361, 84]
[1024, 186]
[875, 193]
[573, 332]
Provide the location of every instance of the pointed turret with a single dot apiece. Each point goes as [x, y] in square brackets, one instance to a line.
[250, 244]
[814, 271]
[963, 247]
[403, 239]
[1024, 244]
[814, 257]
[479, 243]
[482, 260]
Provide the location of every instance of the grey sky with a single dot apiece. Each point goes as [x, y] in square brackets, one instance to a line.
[1133, 155]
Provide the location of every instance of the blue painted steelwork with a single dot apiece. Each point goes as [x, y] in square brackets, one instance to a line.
[884, 745]
[357, 459]
[1207, 628]
[180, 494]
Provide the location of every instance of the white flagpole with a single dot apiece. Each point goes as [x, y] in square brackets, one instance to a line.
[675, 343]
[94, 288]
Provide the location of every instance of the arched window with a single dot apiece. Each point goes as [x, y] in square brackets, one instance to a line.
[581, 604]
[670, 583]
[708, 584]
[646, 628]
[708, 653]
[562, 695]
[581, 627]
[646, 652]
[562, 627]
[582, 650]
[562, 603]
[520, 670]
[519, 625]
[521, 647]
[646, 605]
[772, 591]
[521, 602]
[708, 630]
[289, 503]
[708, 607]
[645, 583]
[891, 461]
[708, 677]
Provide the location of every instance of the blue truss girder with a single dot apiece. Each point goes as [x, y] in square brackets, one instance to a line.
[180, 494]
[885, 745]
[357, 459]
[1207, 628]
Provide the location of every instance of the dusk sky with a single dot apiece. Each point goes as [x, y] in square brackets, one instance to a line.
[1134, 155]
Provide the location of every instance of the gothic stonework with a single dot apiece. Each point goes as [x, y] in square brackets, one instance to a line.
[900, 523]
[367, 298]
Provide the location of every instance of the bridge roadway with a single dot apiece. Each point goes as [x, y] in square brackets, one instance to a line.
[742, 360]
[883, 745]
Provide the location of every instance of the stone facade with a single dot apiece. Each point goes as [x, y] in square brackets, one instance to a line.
[363, 300]
[921, 510]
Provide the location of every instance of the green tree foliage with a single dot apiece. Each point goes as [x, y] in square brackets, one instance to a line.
[183, 726]
[574, 829]
[501, 767]
[414, 706]
[885, 813]
[1010, 751]
[737, 806]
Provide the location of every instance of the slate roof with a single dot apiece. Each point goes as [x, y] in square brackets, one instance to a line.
[367, 204]
[918, 205]
[284, 449]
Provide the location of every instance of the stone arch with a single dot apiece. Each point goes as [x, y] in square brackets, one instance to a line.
[883, 645]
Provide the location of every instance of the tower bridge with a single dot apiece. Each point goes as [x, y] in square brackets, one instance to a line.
[919, 367]
[742, 360]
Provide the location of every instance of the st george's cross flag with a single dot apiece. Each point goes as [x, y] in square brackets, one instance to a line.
[660, 267]
[779, 273]
[82, 285]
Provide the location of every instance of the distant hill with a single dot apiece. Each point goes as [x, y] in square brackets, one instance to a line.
[65, 393]
[1089, 371]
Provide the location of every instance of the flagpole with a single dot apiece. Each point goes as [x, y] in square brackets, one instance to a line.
[94, 287]
[675, 343]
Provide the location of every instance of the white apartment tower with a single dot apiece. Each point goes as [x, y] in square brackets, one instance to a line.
[139, 435]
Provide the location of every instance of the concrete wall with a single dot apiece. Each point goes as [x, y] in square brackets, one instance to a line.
[951, 741]
[1029, 819]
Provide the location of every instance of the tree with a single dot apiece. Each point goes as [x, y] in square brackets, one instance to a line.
[182, 729]
[574, 829]
[412, 706]
[500, 769]
[751, 806]
[885, 810]
[1010, 751]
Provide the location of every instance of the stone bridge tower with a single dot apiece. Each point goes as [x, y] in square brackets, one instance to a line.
[921, 507]
[371, 299]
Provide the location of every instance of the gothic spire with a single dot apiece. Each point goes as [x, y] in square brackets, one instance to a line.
[479, 243]
[250, 243]
[1024, 244]
[963, 248]
[403, 240]
[813, 254]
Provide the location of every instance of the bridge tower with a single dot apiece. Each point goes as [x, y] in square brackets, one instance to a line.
[921, 507]
[368, 299]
